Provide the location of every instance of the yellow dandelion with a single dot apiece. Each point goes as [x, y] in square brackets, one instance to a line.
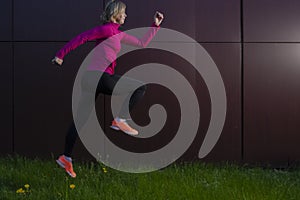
[72, 186]
[20, 191]
[26, 186]
[104, 170]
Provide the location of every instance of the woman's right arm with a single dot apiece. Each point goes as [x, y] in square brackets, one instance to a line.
[95, 33]
[144, 41]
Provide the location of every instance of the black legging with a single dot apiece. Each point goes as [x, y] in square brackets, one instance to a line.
[105, 86]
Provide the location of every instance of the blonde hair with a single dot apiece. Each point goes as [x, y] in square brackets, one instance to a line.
[112, 9]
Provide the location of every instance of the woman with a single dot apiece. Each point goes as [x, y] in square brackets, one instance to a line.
[113, 16]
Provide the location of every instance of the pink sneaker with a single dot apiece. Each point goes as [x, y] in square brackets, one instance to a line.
[64, 163]
[123, 126]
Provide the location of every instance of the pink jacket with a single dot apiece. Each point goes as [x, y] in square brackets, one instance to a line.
[110, 48]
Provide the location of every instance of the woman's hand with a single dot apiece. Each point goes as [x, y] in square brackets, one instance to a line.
[158, 18]
[57, 61]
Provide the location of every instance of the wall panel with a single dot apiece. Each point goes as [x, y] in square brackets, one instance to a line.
[54, 20]
[272, 108]
[6, 101]
[6, 20]
[271, 21]
[43, 97]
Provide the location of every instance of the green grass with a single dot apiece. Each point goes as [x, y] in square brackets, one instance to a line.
[187, 181]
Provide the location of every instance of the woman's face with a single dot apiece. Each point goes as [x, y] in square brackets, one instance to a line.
[121, 16]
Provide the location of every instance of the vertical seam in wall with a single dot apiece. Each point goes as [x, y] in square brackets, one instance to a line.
[104, 127]
[242, 79]
[13, 74]
[104, 119]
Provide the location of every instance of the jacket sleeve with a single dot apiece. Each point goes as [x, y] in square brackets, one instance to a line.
[92, 34]
[140, 42]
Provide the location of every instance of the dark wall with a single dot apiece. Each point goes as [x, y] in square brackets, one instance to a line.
[271, 81]
[6, 77]
[42, 92]
[255, 44]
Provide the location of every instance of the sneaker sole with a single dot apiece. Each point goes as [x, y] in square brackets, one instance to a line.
[60, 163]
[128, 133]
[118, 129]
[115, 128]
